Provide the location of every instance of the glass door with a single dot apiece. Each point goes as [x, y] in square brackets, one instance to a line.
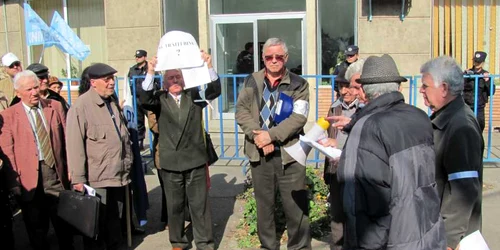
[236, 43]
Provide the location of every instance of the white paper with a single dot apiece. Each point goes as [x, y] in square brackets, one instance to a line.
[473, 241]
[194, 77]
[178, 50]
[328, 151]
[89, 189]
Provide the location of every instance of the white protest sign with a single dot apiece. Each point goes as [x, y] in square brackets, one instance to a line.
[178, 50]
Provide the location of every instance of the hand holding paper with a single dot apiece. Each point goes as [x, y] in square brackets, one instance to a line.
[328, 151]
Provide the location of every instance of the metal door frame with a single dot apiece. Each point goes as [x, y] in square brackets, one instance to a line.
[253, 19]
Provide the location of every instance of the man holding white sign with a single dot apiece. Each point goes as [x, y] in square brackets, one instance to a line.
[183, 155]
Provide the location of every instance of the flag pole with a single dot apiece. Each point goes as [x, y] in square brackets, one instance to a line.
[28, 48]
[68, 59]
[41, 54]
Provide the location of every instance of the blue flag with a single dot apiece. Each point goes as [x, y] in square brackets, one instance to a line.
[37, 31]
[68, 41]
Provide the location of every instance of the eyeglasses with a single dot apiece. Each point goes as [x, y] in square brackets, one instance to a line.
[108, 78]
[279, 58]
[178, 77]
[15, 64]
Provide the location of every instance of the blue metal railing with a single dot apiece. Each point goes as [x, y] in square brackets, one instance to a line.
[233, 85]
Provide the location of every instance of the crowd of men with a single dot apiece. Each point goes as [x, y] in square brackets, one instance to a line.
[404, 180]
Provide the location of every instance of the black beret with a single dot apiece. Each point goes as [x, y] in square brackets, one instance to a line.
[141, 53]
[39, 69]
[100, 70]
[480, 56]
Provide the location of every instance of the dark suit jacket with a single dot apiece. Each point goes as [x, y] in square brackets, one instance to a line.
[181, 135]
[459, 146]
[18, 143]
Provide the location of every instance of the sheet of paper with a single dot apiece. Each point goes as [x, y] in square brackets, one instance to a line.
[328, 151]
[89, 189]
[178, 50]
[473, 241]
[194, 77]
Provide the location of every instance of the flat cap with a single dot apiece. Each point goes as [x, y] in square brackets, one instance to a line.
[141, 53]
[100, 70]
[351, 50]
[39, 69]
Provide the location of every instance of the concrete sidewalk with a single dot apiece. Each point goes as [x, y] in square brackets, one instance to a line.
[227, 183]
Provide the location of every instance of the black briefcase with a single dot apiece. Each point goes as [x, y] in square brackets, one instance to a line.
[81, 211]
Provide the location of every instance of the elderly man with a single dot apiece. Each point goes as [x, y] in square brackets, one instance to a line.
[32, 139]
[100, 153]
[183, 155]
[11, 65]
[351, 54]
[272, 167]
[459, 148]
[386, 170]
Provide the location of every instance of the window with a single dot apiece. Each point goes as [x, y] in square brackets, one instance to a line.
[336, 30]
[255, 6]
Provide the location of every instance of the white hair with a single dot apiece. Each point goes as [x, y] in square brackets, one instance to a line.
[355, 68]
[24, 74]
[275, 42]
[445, 69]
[372, 91]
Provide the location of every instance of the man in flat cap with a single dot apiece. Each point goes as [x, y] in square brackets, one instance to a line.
[99, 154]
[386, 170]
[459, 146]
[351, 54]
[484, 88]
[140, 69]
[42, 72]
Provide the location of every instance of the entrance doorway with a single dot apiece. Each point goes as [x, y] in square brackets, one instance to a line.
[230, 34]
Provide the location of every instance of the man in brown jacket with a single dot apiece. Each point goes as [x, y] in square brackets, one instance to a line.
[99, 152]
[272, 167]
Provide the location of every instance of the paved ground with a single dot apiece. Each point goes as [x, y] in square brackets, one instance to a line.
[227, 182]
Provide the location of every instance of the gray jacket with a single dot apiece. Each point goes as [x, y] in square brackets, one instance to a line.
[386, 172]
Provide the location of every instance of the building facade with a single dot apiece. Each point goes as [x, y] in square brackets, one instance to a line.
[316, 31]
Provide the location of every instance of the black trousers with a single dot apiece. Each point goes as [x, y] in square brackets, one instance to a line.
[269, 176]
[480, 118]
[111, 209]
[6, 235]
[43, 208]
[141, 128]
[188, 186]
[337, 213]
[164, 214]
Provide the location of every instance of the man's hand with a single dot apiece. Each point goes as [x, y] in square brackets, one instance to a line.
[261, 138]
[339, 122]
[78, 187]
[328, 142]
[486, 76]
[334, 161]
[268, 149]
[152, 65]
[16, 191]
[207, 58]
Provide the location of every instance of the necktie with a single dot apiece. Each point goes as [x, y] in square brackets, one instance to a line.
[178, 101]
[43, 139]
